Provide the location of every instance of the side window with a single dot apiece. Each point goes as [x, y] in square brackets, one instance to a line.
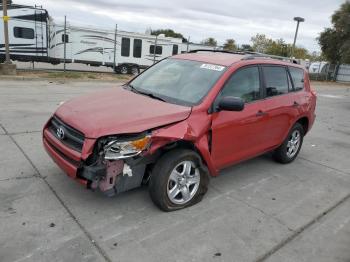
[276, 80]
[175, 49]
[137, 48]
[297, 77]
[244, 83]
[23, 32]
[125, 46]
[159, 49]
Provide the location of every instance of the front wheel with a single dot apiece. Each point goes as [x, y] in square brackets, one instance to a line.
[291, 146]
[178, 180]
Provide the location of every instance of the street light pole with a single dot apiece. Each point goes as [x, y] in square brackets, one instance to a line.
[6, 33]
[298, 20]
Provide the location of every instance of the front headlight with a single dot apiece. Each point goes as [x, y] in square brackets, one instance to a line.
[116, 149]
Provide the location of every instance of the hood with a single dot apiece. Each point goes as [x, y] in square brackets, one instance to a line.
[118, 111]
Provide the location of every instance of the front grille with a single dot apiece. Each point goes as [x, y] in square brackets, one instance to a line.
[71, 137]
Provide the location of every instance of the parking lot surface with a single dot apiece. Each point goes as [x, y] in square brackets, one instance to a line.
[258, 210]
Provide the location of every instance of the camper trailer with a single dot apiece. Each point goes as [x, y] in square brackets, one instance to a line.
[34, 36]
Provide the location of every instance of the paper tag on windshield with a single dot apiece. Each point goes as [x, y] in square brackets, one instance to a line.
[213, 67]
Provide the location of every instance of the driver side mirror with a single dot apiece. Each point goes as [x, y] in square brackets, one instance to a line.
[230, 103]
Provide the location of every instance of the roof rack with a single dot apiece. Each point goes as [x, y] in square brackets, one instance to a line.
[248, 54]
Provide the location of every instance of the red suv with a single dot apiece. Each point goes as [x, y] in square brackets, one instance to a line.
[182, 121]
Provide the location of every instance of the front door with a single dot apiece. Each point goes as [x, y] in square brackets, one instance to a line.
[237, 136]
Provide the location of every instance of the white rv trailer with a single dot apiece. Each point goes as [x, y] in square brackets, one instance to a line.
[34, 36]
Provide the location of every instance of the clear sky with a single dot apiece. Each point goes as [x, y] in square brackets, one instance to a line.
[200, 19]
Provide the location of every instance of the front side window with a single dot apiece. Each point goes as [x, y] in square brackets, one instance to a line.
[137, 48]
[178, 81]
[159, 49]
[297, 77]
[125, 47]
[23, 32]
[276, 80]
[245, 84]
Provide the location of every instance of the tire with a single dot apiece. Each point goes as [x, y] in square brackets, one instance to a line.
[162, 185]
[135, 70]
[123, 69]
[283, 154]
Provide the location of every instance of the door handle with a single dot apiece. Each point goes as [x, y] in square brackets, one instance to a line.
[295, 104]
[261, 113]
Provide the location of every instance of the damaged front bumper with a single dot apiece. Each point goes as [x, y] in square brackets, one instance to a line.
[112, 177]
[108, 176]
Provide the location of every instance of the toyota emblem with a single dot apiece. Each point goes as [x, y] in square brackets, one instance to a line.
[60, 133]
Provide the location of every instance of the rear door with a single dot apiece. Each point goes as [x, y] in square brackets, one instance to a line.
[279, 105]
[237, 136]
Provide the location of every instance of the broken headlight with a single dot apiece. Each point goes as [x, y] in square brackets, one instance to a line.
[116, 149]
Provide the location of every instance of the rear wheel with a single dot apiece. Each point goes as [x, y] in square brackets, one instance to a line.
[291, 146]
[135, 70]
[178, 180]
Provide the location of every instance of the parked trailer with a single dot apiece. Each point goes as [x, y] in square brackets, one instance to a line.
[34, 36]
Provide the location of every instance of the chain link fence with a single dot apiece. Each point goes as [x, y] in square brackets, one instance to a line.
[323, 71]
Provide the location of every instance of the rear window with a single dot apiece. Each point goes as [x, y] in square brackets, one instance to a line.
[297, 75]
[276, 80]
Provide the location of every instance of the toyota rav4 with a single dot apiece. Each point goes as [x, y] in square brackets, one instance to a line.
[181, 121]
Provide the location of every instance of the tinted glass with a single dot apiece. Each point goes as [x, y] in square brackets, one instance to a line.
[159, 49]
[137, 48]
[125, 47]
[297, 77]
[178, 81]
[22, 32]
[244, 84]
[175, 49]
[65, 38]
[276, 80]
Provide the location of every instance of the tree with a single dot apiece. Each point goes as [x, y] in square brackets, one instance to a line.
[261, 43]
[209, 41]
[246, 47]
[169, 33]
[230, 45]
[335, 41]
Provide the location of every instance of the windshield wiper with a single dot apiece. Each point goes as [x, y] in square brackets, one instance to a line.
[133, 89]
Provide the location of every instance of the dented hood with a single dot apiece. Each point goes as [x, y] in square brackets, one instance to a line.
[118, 111]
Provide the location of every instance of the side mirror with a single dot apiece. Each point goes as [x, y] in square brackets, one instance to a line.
[230, 103]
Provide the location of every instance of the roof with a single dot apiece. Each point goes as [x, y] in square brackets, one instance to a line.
[224, 59]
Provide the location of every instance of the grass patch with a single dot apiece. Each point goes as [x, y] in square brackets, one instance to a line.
[70, 75]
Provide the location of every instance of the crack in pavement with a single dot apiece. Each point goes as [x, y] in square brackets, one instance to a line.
[38, 174]
[301, 230]
[18, 178]
[227, 194]
[324, 165]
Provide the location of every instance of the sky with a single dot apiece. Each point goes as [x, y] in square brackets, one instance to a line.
[200, 19]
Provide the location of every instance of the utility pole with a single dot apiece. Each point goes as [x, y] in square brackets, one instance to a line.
[6, 32]
[64, 43]
[188, 43]
[155, 48]
[115, 45]
[298, 20]
[6, 68]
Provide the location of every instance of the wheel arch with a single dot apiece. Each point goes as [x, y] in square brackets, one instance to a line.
[304, 121]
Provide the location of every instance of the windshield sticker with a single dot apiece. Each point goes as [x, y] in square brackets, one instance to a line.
[213, 67]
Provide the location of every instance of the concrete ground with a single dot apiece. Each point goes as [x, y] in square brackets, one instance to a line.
[256, 211]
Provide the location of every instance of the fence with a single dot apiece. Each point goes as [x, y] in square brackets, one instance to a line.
[343, 74]
[330, 72]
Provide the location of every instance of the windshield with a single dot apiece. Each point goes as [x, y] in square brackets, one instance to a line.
[178, 81]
